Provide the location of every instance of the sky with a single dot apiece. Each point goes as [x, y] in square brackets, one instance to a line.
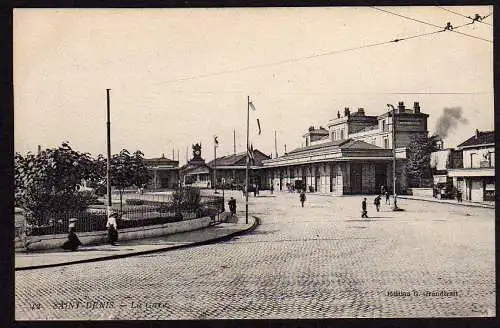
[182, 76]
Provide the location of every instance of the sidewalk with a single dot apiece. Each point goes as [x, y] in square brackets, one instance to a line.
[426, 199]
[85, 254]
[450, 201]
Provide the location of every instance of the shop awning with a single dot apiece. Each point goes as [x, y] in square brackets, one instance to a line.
[479, 172]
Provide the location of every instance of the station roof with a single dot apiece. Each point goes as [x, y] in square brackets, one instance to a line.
[482, 138]
[239, 159]
[338, 150]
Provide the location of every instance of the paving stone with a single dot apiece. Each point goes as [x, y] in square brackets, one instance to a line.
[319, 261]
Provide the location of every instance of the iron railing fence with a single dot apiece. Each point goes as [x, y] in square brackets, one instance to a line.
[148, 212]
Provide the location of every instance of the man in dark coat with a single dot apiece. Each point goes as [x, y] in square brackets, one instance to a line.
[73, 241]
[364, 212]
[302, 197]
[377, 202]
[232, 205]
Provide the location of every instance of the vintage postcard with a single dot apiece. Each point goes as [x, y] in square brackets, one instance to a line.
[254, 163]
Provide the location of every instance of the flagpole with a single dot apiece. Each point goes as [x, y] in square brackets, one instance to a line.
[275, 144]
[215, 165]
[108, 160]
[248, 161]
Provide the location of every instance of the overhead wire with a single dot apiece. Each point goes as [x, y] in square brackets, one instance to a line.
[328, 53]
[448, 27]
[468, 17]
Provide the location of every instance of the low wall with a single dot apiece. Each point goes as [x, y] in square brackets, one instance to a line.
[421, 192]
[100, 237]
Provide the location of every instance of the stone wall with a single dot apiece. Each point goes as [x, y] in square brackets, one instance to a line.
[99, 237]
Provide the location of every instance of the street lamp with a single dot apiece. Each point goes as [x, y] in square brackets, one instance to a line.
[393, 115]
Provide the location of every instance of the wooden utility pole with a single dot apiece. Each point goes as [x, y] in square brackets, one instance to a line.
[108, 163]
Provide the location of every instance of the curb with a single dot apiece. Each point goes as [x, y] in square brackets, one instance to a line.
[158, 250]
[460, 204]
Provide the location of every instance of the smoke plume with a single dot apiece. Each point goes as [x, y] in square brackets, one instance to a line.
[449, 120]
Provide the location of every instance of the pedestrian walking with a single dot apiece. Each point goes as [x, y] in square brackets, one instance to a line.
[382, 190]
[232, 206]
[272, 188]
[73, 241]
[459, 196]
[112, 228]
[376, 201]
[387, 195]
[364, 212]
[302, 197]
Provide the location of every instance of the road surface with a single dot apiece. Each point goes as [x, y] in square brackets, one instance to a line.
[320, 261]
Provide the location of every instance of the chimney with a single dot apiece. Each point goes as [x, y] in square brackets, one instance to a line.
[477, 133]
[338, 114]
[416, 107]
[361, 111]
[39, 149]
[401, 107]
[347, 112]
[439, 144]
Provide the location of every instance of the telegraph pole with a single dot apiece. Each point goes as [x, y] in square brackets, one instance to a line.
[108, 164]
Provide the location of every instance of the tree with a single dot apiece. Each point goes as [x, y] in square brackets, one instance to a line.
[127, 171]
[49, 180]
[418, 166]
[141, 174]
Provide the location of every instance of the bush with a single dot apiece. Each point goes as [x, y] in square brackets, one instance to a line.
[132, 201]
[186, 198]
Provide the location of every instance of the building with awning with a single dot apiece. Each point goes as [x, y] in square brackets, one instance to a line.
[353, 156]
[475, 177]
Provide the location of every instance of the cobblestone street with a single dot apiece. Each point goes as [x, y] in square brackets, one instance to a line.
[319, 261]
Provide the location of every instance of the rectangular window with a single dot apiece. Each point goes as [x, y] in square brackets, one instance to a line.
[342, 134]
[333, 135]
[386, 143]
[384, 128]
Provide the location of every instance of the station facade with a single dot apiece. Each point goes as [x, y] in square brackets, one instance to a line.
[353, 155]
[164, 172]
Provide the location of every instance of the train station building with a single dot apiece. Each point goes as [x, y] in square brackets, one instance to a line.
[353, 155]
[164, 172]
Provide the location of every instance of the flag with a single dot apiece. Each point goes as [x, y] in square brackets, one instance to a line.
[251, 105]
[258, 124]
[250, 152]
[216, 141]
